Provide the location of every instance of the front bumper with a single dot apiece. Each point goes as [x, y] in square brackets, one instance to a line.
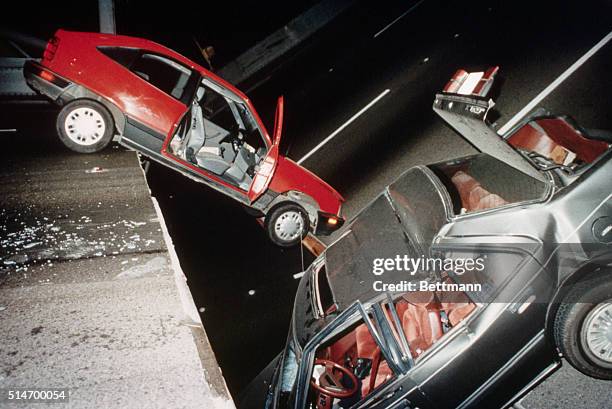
[328, 223]
[44, 81]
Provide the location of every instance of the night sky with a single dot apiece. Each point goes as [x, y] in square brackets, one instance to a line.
[231, 27]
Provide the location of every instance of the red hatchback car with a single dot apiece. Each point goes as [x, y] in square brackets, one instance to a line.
[174, 111]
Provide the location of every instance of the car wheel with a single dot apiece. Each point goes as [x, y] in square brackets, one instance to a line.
[287, 225]
[85, 126]
[583, 327]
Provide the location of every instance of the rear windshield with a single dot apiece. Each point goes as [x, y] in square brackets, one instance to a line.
[481, 182]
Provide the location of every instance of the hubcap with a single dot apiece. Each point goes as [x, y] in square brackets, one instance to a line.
[84, 126]
[289, 226]
[597, 333]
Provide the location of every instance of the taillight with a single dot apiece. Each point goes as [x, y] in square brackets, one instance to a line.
[50, 49]
[46, 75]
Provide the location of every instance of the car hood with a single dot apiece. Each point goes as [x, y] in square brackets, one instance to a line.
[291, 176]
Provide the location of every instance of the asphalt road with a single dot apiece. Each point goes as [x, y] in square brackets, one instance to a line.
[414, 58]
[244, 285]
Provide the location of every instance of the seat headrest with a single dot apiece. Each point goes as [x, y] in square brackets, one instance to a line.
[200, 94]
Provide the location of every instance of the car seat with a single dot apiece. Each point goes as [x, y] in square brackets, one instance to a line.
[473, 195]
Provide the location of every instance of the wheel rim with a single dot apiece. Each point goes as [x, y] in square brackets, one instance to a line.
[597, 334]
[84, 126]
[289, 225]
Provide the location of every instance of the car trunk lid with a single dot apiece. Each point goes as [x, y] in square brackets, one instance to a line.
[464, 107]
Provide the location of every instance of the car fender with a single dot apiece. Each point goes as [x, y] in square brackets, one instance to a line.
[76, 91]
[293, 196]
[289, 176]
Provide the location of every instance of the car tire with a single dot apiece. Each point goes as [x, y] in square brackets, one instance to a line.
[85, 126]
[287, 224]
[578, 323]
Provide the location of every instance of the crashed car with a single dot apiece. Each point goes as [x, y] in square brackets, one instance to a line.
[177, 113]
[534, 206]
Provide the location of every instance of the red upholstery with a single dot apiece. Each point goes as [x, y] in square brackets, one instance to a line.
[340, 349]
[553, 137]
[473, 195]
[367, 348]
[422, 325]
[456, 304]
[421, 322]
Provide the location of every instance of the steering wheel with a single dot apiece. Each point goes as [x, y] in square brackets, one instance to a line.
[236, 137]
[331, 384]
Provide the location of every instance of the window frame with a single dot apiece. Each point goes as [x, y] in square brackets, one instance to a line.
[347, 319]
[227, 93]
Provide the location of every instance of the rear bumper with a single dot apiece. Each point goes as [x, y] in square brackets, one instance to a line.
[44, 81]
[328, 223]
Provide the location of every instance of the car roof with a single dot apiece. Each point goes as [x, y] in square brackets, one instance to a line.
[116, 40]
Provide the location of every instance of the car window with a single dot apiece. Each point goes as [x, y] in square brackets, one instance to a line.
[161, 72]
[323, 292]
[482, 182]
[353, 363]
[122, 55]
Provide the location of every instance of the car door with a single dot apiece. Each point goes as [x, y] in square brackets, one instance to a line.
[207, 130]
[403, 392]
[264, 174]
[488, 358]
[398, 392]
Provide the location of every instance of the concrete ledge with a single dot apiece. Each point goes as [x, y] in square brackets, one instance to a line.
[92, 297]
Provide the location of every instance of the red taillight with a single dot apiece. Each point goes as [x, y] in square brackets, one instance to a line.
[46, 75]
[50, 49]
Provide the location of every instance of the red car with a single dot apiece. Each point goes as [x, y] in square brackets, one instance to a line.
[174, 111]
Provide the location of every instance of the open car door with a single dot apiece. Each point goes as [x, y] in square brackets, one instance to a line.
[265, 171]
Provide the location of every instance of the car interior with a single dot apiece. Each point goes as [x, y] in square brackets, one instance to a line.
[219, 135]
[425, 317]
[561, 141]
[483, 182]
